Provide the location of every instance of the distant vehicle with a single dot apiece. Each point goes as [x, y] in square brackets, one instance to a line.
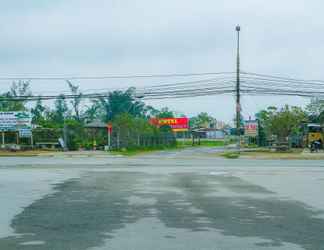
[313, 132]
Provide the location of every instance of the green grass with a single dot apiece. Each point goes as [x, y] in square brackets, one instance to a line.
[180, 145]
[230, 155]
[137, 151]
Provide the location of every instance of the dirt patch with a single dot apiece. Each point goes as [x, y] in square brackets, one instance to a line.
[30, 153]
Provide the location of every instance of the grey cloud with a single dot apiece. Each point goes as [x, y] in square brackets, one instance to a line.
[143, 36]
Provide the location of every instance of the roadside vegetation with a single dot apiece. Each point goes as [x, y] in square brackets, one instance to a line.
[132, 133]
[68, 119]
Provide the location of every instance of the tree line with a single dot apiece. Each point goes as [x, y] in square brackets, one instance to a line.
[289, 121]
[128, 115]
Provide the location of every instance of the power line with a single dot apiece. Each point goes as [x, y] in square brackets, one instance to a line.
[208, 81]
[63, 78]
[270, 85]
[280, 77]
[187, 87]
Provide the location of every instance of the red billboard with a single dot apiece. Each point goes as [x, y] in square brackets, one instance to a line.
[176, 124]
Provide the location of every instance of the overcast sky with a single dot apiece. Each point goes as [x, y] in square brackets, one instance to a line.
[109, 37]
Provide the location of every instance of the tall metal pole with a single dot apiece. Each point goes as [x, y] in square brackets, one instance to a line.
[238, 104]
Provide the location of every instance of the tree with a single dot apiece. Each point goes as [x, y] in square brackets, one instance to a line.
[150, 111]
[94, 111]
[119, 102]
[315, 110]
[165, 113]
[61, 111]
[38, 112]
[201, 120]
[281, 122]
[76, 101]
[17, 89]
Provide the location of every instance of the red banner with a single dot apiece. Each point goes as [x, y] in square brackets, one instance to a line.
[176, 124]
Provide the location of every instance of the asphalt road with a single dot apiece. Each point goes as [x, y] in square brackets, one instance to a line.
[169, 200]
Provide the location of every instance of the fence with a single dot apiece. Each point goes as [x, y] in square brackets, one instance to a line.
[130, 140]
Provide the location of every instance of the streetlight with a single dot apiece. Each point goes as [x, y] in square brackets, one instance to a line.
[238, 105]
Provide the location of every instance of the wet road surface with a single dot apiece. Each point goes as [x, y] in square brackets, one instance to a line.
[168, 200]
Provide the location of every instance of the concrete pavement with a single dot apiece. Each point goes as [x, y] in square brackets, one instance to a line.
[169, 200]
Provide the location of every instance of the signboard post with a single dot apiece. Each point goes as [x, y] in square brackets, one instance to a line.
[109, 128]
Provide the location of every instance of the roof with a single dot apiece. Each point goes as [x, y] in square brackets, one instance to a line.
[206, 129]
[313, 125]
[96, 124]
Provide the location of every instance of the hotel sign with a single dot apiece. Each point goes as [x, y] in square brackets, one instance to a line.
[176, 124]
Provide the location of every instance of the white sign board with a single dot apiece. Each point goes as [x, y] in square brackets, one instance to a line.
[14, 121]
[25, 133]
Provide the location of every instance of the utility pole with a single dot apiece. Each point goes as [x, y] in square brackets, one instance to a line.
[238, 104]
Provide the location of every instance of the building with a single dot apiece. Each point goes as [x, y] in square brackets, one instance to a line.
[210, 133]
